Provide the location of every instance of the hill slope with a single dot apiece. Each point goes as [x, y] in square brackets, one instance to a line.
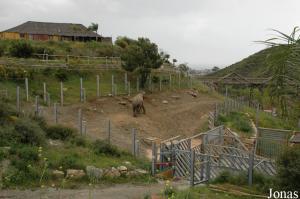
[256, 65]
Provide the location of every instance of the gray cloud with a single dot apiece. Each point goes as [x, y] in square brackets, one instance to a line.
[200, 32]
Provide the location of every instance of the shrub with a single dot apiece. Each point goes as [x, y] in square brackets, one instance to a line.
[2, 49]
[29, 132]
[79, 141]
[21, 49]
[60, 132]
[71, 162]
[7, 137]
[61, 75]
[288, 169]
[6, 112]
[42, 50]
[27, 154]
[40, 121]
[102, 147]
[3, 154]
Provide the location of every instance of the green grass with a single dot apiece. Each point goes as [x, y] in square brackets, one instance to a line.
[237, 121]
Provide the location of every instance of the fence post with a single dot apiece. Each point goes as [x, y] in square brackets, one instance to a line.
[150, 82]
[161, 157]
[18, 99]
[55, 113]
[208, 168]
[133, 142]
[45, 92]
[153, 164]
[81, 91]
[84, 127]
[61, 94]
[26, 89]
[98, 86]
[80, 121]
[36, 105]
[129, 89]
[109, 131]
[250, 169]
[179, 80]
[125, 81]
[257, 115]
[115, 89]
[192, 167]
[112, 85]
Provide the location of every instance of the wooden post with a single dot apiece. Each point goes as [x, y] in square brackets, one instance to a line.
[55, 113]
[192, 167]
[98, 86]
[150, 82]
[125, 81]
[115, 89]
[18, 99]
[133, 142]
[45, 92]
[81, 91]
[84, 127]
[37, 106]
[179, 80]
[80, 121]
[109, 132]
[129, 89]
[112, 85]
[61, 94]
[153, 164]
[26, 89]
[226, 91]
[250, 169]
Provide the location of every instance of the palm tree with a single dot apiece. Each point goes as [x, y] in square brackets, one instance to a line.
[288, 63]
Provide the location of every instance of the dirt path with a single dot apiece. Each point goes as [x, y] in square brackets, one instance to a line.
[182, 115]
[125, 191]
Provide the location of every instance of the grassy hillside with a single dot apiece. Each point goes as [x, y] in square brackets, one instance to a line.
[256, 65]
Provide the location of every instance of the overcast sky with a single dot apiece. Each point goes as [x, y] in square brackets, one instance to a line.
[199, 32]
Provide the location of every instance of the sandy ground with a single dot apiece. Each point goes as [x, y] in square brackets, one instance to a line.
[182, 115]
[125, 191]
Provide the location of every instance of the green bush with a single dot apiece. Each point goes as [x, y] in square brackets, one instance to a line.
[7, 113]
[2, 50]
[103, 147]
[25, 153]
[71, 161]
[288, 169]
[79, 141]
[41, 122]
[14, 177]
[60, 132]
[21, 49]
[61, 75]
[3, 154]
[7, 137]
[29, 132]
[236, 120]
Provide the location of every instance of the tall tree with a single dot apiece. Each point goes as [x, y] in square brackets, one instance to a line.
[93, 27]
[287, 63]
[141, 55]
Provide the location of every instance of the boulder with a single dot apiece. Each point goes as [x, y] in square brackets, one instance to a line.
[94, 173]
[175, 97]
[127, 163]
[141, 171]
[58, 174]
[75, 174]
[122, 169]
[122, 103]
[112, 173]
[165, 102]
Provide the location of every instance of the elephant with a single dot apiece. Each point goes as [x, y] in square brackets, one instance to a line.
[138, 104]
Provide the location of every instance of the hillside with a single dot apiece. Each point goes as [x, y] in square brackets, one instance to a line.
[256, 65]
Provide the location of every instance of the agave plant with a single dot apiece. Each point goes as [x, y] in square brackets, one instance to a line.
[286, 67]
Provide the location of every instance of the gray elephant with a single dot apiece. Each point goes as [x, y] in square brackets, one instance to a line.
[138, 104]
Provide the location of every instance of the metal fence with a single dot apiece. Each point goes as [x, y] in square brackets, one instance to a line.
[202, 157]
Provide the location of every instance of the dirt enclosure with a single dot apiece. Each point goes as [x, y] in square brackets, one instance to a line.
[167, 114]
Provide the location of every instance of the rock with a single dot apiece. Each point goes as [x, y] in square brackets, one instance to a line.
[110, 95]
[127, 163]
[113, 173]
[122, 169]
[75, 174]
[141, 171]
[132, 173]
[122, 103]
[58, 174]
[94, 173]
[175, 97]
[192, 93]
[165, 102]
